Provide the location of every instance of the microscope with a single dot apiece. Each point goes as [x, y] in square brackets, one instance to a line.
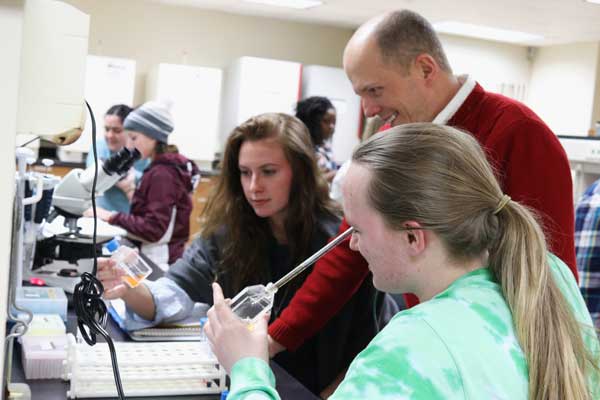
[64, 242]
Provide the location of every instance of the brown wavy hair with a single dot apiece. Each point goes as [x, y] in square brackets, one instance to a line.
[440, 177]
[245, 254]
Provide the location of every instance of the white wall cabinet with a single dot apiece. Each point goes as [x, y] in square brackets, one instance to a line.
[195, 94]
[562, 86]
[334, 84]
[108, 81]
[258, 85]
[584, 157]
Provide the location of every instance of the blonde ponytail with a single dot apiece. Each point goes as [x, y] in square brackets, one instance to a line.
[547, 330]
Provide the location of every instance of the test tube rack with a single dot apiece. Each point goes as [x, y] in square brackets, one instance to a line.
[147, 369]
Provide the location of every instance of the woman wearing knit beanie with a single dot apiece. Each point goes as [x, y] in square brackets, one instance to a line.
[161, 206]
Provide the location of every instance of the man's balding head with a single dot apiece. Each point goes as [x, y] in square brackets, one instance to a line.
[399, 37]
[397, 66]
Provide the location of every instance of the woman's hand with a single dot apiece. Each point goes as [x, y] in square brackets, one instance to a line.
[103, 214]
[274, 347]
[127, 184]
[231, 338]
[110, 276]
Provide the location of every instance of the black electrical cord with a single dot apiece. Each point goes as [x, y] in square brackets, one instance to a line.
[87, 296]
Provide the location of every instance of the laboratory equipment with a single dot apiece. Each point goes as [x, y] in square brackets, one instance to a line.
[129, 261]
[35, 213]
[254, 301]
[20, 316]
[46, 325]
[21, 201]
[51, 40]
[147, 369]
[60, 258]
[64, 248]
[43, 356]
[44, 347]
[42, 300]
[73, 194]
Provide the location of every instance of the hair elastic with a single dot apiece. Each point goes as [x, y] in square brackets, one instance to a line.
[503, 202]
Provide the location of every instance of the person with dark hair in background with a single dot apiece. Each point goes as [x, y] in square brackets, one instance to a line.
[319, 116]
[162, 204]
[118, 197]
[398, 67]
[500, 317]
[269, 211]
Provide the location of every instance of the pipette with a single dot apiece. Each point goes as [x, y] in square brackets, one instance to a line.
[252, 302]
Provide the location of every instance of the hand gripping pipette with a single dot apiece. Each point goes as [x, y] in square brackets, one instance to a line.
[252, 302]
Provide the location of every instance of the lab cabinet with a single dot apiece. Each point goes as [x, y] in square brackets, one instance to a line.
[108, 81]
[258, 85]
[194, 94]
[333, 83]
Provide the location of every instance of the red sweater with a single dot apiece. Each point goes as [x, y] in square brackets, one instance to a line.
[532, 168]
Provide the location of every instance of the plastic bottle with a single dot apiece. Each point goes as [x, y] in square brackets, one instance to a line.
[129, 261]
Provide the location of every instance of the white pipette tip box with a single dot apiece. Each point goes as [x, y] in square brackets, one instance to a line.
[46, 325]
[43, 356]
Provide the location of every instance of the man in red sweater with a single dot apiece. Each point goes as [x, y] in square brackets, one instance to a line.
[397, 65]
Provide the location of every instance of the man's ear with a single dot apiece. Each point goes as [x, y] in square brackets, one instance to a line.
[426, 66]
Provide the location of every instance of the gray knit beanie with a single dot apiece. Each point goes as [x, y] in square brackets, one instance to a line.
[153, 119]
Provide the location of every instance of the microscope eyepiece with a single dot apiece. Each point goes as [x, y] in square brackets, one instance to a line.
[121, 161]
[134, 155]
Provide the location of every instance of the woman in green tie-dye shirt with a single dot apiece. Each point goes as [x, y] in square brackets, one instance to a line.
[500, 317]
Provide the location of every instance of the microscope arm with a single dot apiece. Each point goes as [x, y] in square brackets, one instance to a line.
[73, 194]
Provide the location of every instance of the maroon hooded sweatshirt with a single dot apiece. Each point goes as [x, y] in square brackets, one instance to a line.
[167, 183]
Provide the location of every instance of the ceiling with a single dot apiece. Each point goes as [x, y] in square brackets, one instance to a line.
[558, 21]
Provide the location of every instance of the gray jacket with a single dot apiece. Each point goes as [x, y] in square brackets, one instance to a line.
[320, 359]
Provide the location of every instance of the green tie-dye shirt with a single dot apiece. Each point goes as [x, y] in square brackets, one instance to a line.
[461, 344]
